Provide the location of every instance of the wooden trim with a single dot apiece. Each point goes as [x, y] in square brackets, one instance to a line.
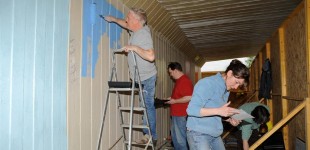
[268, 50]
[260, 66]
[307, 122]
[292, 98]
[279, 124]
[256, 65]
[269, 104]
[307, 21]
[283, 84]
[307, 117]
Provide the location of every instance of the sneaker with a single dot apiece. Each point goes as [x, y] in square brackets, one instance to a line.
[143, 140]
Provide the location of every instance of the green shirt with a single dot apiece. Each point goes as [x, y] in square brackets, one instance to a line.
[247, 125]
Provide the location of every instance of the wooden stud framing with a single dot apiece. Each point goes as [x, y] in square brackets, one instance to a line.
[268, 50]
[258, 72]
[269, 102]
[283, 84]
[307, 122]
[260, 65]
[307, 117]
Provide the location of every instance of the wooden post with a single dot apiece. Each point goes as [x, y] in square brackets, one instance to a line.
[268, 50]
[307, 117]
[269, 102]
[283, 85]
[257, 76]
[260, 64]
[252, 78]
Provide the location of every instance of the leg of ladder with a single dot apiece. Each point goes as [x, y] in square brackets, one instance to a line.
[103, 118]
[145, 115]
[131, 115]
[121, 118]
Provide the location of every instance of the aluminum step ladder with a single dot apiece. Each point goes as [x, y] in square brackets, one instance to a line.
[123, 88]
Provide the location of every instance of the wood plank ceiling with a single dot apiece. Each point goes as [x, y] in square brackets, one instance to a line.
[208, 30]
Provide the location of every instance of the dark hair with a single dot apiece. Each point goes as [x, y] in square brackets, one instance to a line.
[260, 114]
[175, 65]
[239, 70]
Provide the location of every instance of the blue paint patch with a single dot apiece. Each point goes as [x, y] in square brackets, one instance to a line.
[93, 28]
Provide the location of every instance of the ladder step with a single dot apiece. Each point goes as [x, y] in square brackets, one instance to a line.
[135, 143]
[121, 84]
[135, 126]
[123, 89]
[135, 108]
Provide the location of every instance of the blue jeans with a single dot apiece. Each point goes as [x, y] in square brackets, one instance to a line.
[202, 141]
[178, 132]
[148, 94]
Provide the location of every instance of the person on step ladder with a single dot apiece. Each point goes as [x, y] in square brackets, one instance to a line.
[142, 44]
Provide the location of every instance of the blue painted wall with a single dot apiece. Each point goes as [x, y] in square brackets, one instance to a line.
[93, 28]
[33, 68]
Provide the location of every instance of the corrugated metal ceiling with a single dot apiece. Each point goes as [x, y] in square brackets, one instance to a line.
[208, 30]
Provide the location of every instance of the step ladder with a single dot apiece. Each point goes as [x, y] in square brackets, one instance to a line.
[123, 88]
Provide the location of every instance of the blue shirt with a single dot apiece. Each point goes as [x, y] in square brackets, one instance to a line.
[209, 92]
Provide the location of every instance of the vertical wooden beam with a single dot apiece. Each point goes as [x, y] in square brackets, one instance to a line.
[307, 117]
[258, 73]
[256, 76]
[283, 84]
[260, 65]
[268, 50]
[269, 102]
[252, 78]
